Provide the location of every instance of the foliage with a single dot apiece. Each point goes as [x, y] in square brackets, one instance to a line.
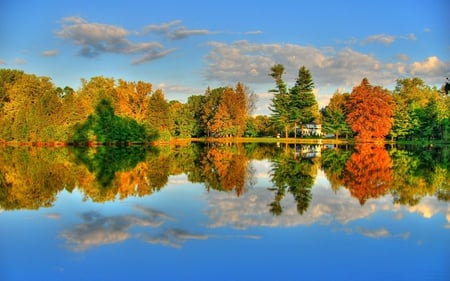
[294, 175]
[368, 172]
[32, 177]
[224, 111]
[334, 116]
[280, 101]
[302, 101]
[370, 111]
[296, 106]
[105, 127]
[34, 110]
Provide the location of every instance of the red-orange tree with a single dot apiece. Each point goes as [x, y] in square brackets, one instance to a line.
[370, 111]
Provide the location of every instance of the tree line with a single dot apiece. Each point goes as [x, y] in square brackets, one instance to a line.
[106, 110]
[413, 110]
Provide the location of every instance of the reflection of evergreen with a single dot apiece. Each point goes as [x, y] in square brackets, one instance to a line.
[297, 177]
[105, 161]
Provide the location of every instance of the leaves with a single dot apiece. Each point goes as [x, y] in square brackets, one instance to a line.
[370, 111]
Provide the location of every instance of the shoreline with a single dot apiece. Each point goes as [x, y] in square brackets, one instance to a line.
[186, 141]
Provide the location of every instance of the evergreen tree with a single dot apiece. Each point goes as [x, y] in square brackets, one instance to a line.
[280, 101]
[303, 107]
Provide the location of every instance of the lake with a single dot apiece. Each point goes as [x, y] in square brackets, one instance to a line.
[222, 211]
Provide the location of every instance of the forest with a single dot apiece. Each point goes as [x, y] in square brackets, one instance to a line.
[112, 111]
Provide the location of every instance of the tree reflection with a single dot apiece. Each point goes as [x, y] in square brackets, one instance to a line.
[31, 177]
[419, 172]
[368, 172]
[225, 168]
[333, 164]
[294, 175]
[105, 161]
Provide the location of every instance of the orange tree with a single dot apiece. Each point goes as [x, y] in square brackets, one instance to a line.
[370, 111]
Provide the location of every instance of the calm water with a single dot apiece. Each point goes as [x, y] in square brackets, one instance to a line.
[225, 212]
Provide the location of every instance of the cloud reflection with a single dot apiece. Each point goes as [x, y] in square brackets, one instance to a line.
[97, 229]
[327, 207]
[173, 237]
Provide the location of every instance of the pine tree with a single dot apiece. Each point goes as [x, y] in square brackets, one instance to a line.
[303, 107]
[280, 100]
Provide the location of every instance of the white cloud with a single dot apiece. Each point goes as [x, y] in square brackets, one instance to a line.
[431, 65]
[173, 30]
[410, 36]
[50, 53]
[250, 63]
[254, 32]
[53, 216]
[20, 61]
[331, 68]
[378, 38]
[96, 39]
[2, 62]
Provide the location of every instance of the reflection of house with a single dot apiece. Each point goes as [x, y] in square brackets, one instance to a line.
[309, 150]
[311, 129]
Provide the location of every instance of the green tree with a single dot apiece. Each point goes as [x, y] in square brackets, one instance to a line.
[334, 118]
[158, 114]
[411, 97]
[106, 127]
[194, 111]
[303, 107]
[280, 102]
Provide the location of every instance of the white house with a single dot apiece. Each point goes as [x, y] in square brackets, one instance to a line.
[311, 129]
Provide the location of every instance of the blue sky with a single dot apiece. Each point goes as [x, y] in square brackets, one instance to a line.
[185, 46]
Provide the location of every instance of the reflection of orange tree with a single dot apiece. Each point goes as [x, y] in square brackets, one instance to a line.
[225, 168]
[368, 172]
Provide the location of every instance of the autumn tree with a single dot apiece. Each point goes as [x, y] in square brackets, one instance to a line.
[132, 99]
[370, 111]
[224, 111]
[30, 108]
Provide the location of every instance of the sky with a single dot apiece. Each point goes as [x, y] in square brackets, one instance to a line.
[183, 47]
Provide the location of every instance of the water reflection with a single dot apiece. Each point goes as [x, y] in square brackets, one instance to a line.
[181, 209]
[31, 177]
